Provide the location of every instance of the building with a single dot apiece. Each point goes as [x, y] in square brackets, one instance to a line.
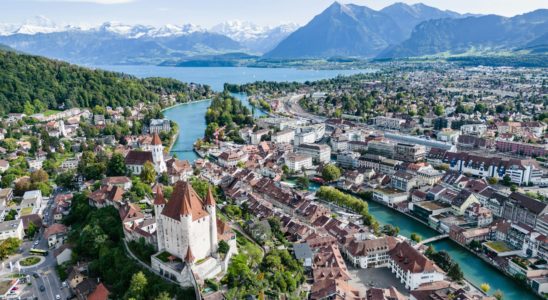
[303, 253]
[232, 158]
[413, 268]
[187, 224]
[32, 199]
[56, 235]
[390, 197]
[135, 160]
[389, 123]
[383, 148]
[524, 209]
[409, 152]
[297, 162]
[12, 229]
[320, 153]
[348, 159]
[158, 126]
[370, 253]
[403, 181]
[521, 148]
[305, 137]
[6, 195]
[283, 136]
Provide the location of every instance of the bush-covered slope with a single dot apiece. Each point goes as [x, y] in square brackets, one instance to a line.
[28, 78]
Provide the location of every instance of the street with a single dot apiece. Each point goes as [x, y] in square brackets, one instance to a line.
[47, 274]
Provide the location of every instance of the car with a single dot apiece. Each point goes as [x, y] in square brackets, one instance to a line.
[35, 275]
[64, 284]
[42, 288]
[36, 243]
[57, 297]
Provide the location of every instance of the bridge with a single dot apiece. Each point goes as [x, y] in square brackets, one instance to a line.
[432, 239]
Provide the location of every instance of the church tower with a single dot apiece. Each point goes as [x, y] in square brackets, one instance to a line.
[158, 154]
[211, 209]
[159, 203]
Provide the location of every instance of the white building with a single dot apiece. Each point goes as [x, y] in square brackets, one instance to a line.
[159, 125]
[296, 162]
[283, 136]
[390, 123]
[370, 253]
[320, 152]
[308, 137]
[255, 137]
[412, 268]
[12, 229]
[232, 158]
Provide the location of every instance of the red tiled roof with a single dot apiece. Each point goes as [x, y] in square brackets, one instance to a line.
[100, 293]
[156, 140]
[184, 201]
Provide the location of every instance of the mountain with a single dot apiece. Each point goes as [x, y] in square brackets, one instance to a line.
[113, 43]
[25, 78]
[352, 30]
[408, 16]
[340, 30]
[483, 33]
[256, 38]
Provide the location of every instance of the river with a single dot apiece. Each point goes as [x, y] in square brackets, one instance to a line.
[191, 121]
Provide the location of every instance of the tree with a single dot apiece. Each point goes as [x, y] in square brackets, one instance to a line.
[455, 273]
[117, 165]
[439, 110]
[31, 229]
[163, 296]
[492, 180]
[498, 295]
[485, 287]
[390, 230]
[506, 180]
[138, 285]
[513, 188]
[331, 173]
[39, 176]
[148, 174]
[303, 183]
[416, 237]
[223, 247]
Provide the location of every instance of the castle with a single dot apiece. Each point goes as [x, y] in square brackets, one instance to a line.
[188, 232]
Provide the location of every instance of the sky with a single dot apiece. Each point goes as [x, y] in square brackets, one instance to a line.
[211, 12]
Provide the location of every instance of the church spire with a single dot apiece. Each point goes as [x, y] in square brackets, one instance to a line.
[156, 141]
[209, 200]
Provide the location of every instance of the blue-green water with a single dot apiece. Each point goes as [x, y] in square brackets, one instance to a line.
[217, 77]
[475, 270]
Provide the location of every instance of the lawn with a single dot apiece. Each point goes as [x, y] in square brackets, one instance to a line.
[50, 112]
[26, 211]
[164, 256]
[29, 261]
[498, 246]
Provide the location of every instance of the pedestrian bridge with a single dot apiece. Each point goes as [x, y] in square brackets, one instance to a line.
[432, 239]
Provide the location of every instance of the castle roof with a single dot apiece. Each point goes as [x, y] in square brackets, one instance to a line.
[209, 200]
[189, 257]
[156, 141]
[184, 201]
[159, 198]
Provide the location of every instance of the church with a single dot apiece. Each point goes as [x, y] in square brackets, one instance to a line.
[135, 160]
[188, 232]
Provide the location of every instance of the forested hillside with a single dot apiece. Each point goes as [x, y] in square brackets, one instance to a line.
[50, 84]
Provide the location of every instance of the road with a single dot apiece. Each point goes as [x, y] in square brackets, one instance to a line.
[47, 274]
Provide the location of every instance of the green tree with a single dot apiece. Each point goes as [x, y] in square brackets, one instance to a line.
[116, 165]
[416, 237]
[455, 273]
[331, 173]
[223, 247]
[303, 183]
[31, 229]
[439, 110]
[148, 174]
[28, 109]
[137, 286]
[485, 287]
[506, 180]
[163, 296]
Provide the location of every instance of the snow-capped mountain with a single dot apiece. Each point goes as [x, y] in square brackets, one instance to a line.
[38, 24]
[255, 37]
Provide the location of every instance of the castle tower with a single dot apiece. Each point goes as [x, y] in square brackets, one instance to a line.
[211, 209]
[159, 203]
[189, 258]
[158, 154]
